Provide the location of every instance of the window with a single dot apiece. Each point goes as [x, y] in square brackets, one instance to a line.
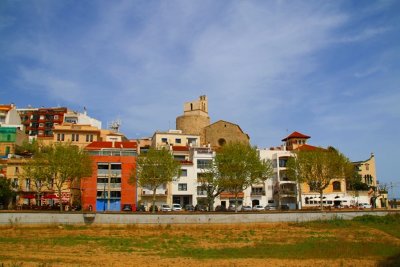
[41, 124]
[60, 137]
[102, 194]
[75, 137]
[15, 182]
[367, 167]
[201, 191]
[89, 138]
[56, 117]
[336, 186]
[102, 180]
[221, 142]
[179, 157]
[115, 180]
[178, 140]
[115, 194]
[28, 184]
[282, 163]
[203, 163]
[183, 172]
[182, 187]
[164, 140]
[16, 170]
[192, 141]
[42, 117]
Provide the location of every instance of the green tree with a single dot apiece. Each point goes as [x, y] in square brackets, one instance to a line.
[37, 169]
[238, 166]
[60, 164]
[6, 191]
[318, 168]
[211, 184]
[155, 168]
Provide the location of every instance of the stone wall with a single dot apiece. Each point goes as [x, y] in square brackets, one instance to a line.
[30, 218]
[222, 131]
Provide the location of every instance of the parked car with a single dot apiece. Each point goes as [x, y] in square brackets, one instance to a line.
[127, 207]
[284, 207]
[189, 207]
[258, 208]
[220, 208]
[200, 207]
[165, 207]
[246, 208]
[151, 208]
[176, 207]
[364, 206]
[232, 207]
[141, 208]
[270, 207]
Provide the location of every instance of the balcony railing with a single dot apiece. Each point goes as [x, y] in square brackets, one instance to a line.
[159, 192]
[258, 193]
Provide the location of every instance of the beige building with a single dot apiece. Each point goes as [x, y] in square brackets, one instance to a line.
[174, 138]
[30, 191]
[367, 170]
[76, 134]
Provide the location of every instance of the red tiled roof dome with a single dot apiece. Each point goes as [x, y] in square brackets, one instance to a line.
[296, 135]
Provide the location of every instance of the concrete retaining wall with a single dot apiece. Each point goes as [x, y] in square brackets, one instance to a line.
[29, 218]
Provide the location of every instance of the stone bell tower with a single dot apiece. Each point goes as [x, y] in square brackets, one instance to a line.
[195, 116]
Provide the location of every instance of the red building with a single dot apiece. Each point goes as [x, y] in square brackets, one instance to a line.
[40, 121]
[110, 188]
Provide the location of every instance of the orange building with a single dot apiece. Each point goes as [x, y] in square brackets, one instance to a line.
[109, 188]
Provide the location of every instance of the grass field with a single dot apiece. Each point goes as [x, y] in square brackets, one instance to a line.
[364, 241]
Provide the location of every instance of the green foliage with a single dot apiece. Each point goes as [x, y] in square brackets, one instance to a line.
[319, 167]
[61, 162]
[6, 192]
[238, 166]
[155, 168]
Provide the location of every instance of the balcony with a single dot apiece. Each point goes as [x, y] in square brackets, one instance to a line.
[257, 193]
[101, 186]
[159, 192]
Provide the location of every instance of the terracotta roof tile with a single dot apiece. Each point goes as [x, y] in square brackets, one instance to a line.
[97, 145]
[296, 135]
[180, 148]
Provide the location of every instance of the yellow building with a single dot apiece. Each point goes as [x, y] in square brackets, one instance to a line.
[32, 192]
[76, 134]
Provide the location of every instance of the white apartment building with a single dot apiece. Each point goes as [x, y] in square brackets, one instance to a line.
[186, 190]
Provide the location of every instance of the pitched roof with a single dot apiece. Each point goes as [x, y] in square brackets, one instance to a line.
[296, 135]
[98, 144]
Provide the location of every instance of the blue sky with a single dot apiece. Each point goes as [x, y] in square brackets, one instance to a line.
[328, 69]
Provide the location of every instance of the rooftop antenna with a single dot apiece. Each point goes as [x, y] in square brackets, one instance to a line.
[115, 125]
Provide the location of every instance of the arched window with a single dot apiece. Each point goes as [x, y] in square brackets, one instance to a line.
[221, 141]
[336, 186]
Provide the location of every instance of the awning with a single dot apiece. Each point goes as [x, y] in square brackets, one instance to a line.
[28, 196]
[50, 196]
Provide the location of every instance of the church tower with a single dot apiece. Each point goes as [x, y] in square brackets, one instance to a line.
[195, 116]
